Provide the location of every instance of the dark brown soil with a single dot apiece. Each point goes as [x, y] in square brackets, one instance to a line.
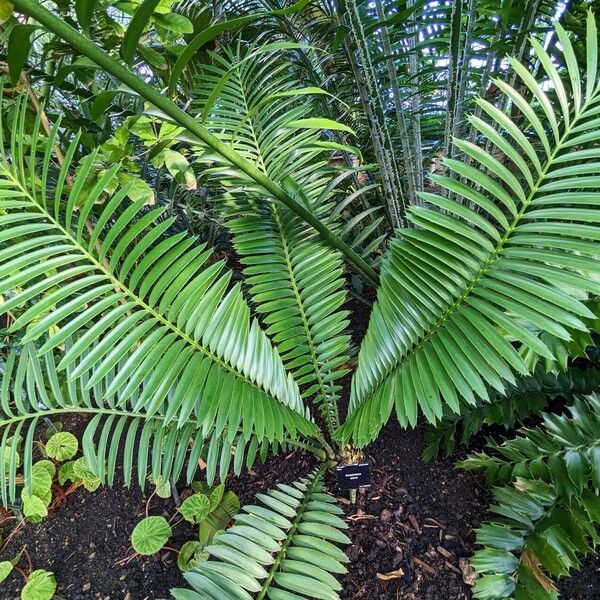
[82, 540]
[413, 526]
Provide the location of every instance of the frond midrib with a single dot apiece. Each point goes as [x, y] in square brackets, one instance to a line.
[316, 480]
[426, 336]
[90, 410]
[332, 420]
[133, 296]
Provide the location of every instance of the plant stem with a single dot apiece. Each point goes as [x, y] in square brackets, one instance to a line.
[63, 30]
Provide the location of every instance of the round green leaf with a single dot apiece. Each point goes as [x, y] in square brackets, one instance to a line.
[195, 508]
[216, 496]
[34, 508]
[47, 498]
[40, 585]
[66, 472]
[6, 568]
[48, 465]
[62, 446]
[163, 488]
[41, 480]
[186, 557]
[7, 455]
[82, 470]
[150, 535]
[91, 485]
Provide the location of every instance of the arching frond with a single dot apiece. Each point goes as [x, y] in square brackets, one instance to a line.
[106, 276]
[284, 548]
[295, 280]
[511, 259]
[148, 443]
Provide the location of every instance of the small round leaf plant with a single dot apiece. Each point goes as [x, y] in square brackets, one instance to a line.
[150, 535]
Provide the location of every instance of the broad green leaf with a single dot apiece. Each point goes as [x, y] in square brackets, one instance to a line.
[34, 508]
[84, 9]
[136, 28]
[18, 48]
[62, 446]
[41, 585]
[150, 535]
[195, 508]
[6, 568]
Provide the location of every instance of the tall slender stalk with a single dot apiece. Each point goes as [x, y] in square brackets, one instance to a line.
[414, 68]
[63, 30]
[383, 142]
[453, 65]
[407, 151]
[463, 72]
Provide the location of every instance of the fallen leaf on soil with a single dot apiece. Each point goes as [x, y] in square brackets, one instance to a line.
[427, 568]
[452, 567]
[391, 575]
[360, 518]
[468, 573]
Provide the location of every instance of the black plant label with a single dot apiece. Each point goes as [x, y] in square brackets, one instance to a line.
[350, 477]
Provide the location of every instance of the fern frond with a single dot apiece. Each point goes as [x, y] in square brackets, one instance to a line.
[284, 548]
[32, 390]
[294, 279]
[102, 275]
[564, 451]
[512, 259]
[533, 537]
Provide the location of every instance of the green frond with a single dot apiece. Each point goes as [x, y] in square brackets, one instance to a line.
[107, 276]
[512, 258]
[285, 548]
[547, 509]
[529, 396]
[293, 278]
[33, 390]
[149, 442]
[564, 451]
[532, 539]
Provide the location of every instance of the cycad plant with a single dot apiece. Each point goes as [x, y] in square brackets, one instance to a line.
[547, 507]
[144, 331]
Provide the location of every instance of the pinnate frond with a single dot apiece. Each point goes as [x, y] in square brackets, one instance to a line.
[286, 547]
[511, 256]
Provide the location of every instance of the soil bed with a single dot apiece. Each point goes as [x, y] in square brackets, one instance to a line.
[416, 520]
